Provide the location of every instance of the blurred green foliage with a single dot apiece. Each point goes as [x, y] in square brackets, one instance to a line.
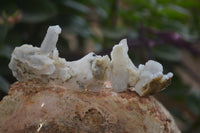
[153, 28]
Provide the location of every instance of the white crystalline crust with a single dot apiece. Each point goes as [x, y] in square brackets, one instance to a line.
[123, 70]
[50, 40]
[90, 72]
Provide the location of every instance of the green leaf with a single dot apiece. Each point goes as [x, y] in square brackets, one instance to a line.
[37, 11]
[3, 31]
[79, 26]
[102, 13]
[167, 52]
[114, 33]
[6, 51]
[77, 6]
[190, 4]
[193, 103]
[4, 85]
[175, 12]
[9, 7]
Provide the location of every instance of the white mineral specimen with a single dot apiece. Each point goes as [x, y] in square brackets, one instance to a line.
[123, 70]
[43, 64]
[151, 78]
[146, 79]
[50, 40]
[89, 73]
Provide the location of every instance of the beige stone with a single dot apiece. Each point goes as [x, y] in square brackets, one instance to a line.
[33, 107]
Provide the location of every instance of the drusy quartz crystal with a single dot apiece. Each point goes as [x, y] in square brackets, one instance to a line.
[90, 72]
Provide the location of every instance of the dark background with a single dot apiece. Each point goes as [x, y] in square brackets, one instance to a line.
[167, 31]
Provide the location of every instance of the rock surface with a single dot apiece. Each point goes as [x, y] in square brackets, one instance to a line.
[34, 107]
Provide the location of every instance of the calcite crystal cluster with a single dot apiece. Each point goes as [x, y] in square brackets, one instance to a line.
[89, 73]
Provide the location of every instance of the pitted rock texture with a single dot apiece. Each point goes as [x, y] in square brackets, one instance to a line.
[33, 107]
